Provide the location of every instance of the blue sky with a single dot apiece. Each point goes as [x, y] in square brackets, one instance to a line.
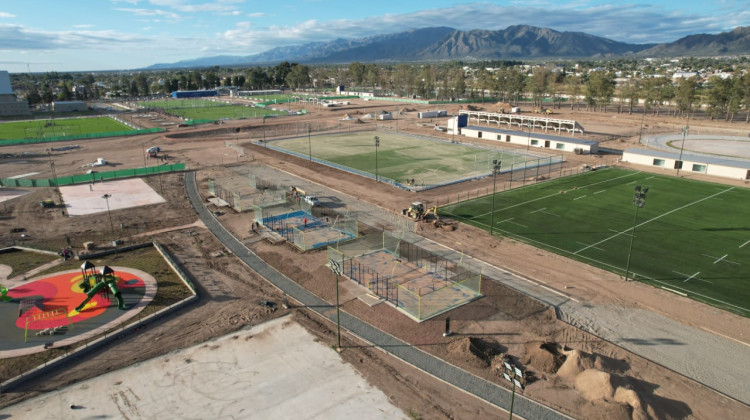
[76, 35]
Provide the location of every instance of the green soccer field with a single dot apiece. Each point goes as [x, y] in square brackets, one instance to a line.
[401, 157]
[200, 109]
[59, 127]
[690, 236]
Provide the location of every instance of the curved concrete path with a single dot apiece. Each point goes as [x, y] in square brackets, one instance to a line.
[434, 366]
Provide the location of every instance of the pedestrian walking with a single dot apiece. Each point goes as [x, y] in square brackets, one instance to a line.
[305, 221]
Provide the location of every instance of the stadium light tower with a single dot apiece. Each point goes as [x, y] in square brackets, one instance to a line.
[639, 200]
[685, 130]
[495, 170]
[111, 225]
[377, 145]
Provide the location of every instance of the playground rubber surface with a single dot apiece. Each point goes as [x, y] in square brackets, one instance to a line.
[58, 295]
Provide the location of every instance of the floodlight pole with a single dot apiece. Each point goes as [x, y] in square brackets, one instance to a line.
[639, 200]
[528, 141]
[685, 130]
[106, 197]
[495, 170]
[309, 143]
[336, 269]
[377, 145]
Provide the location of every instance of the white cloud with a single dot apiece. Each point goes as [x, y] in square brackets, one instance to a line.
[21, 38]
[150, 12]
[6, 15]
[217, 6]
[83, 26]
[256, 14]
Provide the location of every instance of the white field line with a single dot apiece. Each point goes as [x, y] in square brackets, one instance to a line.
[542, 244]
[578, 198]
[748, 242]
[565, 251]
[535, 211]
[655, 218]
[555, 194]
[600, 249]
[720, 259]
[518, 224]
[698, 294]
[551, 214]
[600, 191]
[674, 291]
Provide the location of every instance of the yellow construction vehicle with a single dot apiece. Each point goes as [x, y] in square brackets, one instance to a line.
[417, 211]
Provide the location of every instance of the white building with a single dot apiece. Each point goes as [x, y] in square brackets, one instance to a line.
[9, 103]
[709, 165]
[538, 140]
[69, 106]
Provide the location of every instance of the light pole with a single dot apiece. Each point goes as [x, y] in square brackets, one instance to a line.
[528, 141]
[106, 197]
[337, 269]
[143, 150]
[309, 143]
[495, 170]
[639, 200]
[377, 145]
[685, 130]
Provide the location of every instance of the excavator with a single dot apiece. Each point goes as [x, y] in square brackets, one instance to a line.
[418, 212]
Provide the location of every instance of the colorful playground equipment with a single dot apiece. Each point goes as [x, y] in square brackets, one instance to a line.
[103, 280]
[4, 294]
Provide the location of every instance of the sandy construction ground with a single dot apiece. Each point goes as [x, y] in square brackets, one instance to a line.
[254, 373]
[505, 320]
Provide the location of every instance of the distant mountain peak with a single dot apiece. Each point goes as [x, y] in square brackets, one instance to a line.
[514, 42]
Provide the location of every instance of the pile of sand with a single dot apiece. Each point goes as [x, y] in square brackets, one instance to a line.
[596, 386]
[475, 351]
[544, 356]
[576, 361]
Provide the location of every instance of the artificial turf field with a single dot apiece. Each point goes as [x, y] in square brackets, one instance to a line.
[59, 127]
[401, 157]
[200, 109]
[690, 236]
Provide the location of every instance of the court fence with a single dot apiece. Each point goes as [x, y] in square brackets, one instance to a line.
[81, 136]
[93, 177]
[417, 297]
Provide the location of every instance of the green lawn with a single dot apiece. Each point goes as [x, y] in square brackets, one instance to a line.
[399, 157]
[59, 127]
[690, 236]
[201, 109]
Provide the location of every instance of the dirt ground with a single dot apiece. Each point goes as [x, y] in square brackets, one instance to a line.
[576, 373]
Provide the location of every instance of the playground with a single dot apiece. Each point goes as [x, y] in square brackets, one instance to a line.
[70, 306]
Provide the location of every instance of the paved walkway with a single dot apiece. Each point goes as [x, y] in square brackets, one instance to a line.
[472, 384]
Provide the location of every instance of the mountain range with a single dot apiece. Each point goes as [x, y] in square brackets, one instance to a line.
[513, 43]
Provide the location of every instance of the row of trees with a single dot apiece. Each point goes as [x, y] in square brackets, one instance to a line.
[508, 81]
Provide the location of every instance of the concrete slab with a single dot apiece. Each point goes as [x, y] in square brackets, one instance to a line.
[272, 370]
[11, 193]
[85, 199]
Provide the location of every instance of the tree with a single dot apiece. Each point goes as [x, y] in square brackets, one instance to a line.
[685, 94]
[279, 73]
[574, 86]
[141, 84]
[539, 84]
[64, 94]
[357, 73]
[599, 89]
[718, 95]
[298, 76]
